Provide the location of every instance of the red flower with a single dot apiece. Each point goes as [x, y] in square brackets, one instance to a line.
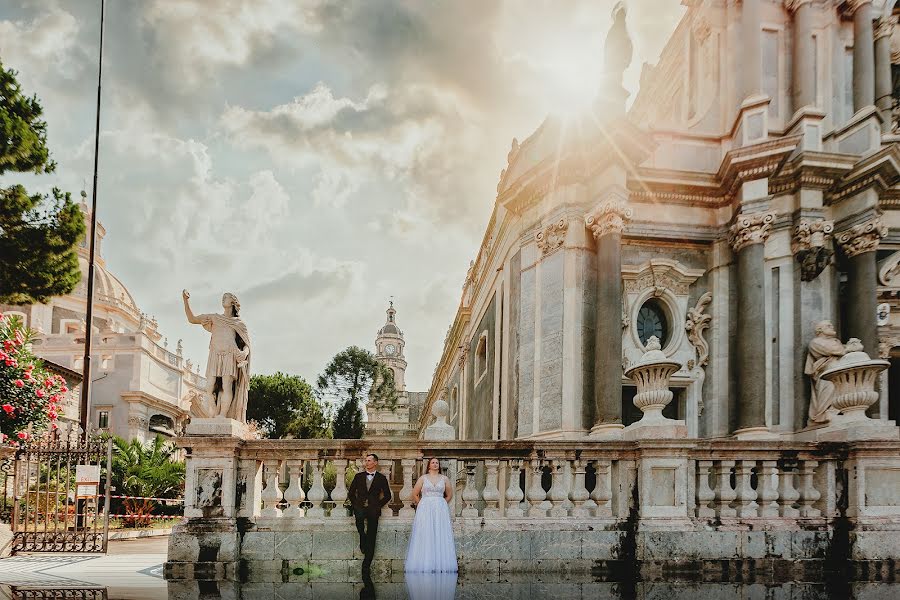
[52, 415]
[63, 389]
[48, 383]
[40, 393]
[54, 398]
[19, 383]
[22, 435]
[8, 408]
[11, 362]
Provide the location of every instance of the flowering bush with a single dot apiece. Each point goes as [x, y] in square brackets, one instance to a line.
[29, 395]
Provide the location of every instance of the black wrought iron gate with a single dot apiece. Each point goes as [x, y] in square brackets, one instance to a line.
[61, 495]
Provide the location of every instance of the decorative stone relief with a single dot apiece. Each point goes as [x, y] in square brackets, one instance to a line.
[701, 28]
[884, 27]
[810, 246]
[886, 344]
[138, 422]
[609, 217]
[749, 229]
[209, 490]
[862, 238]
[552, 237]
[793, 5]
[698, 322]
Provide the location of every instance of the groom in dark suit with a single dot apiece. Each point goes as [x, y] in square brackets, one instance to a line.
[368, 494]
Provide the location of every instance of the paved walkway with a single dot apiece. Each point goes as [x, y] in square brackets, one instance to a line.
[131, 571]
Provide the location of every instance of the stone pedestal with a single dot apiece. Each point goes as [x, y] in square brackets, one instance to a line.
[217, 426]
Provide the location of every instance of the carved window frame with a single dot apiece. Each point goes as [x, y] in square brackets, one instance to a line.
[669, 303]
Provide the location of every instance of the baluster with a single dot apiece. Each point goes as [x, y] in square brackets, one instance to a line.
[339, 493]
[579, 494]
[271, 494]
[514, 494]
[408, 465]
[602, 492]
[536, 493]
[316, 493]
[470, 494]
[746, 495]
[558, 493]
[724, 492]
[705, 494]
[809, 495]
[293, 495]
[386, 510]
[768, 489]
[491, 493]
[787, 493]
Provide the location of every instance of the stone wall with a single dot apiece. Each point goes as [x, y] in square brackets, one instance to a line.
[480, 396]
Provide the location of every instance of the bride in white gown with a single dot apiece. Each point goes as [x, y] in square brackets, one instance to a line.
[431, 545]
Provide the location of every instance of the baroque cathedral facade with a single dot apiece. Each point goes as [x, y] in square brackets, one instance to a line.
[750, 192]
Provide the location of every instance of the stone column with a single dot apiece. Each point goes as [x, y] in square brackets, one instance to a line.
[748, 236]
[606, 222]
[859, 244]
[751, 50]
[863, 54]
[883, 83]
[804, 75]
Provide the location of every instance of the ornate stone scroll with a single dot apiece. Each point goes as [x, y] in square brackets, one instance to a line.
[698, 322]
[552, 236]
[750, 229]
[609, 217]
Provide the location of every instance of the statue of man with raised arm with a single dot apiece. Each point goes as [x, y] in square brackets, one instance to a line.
[228, 366]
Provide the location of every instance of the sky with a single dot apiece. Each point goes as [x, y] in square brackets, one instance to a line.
[315, 157]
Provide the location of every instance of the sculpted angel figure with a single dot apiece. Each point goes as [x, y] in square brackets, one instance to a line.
[228, 366]
[823, 351]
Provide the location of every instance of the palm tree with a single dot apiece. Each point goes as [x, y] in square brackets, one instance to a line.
[150, 471]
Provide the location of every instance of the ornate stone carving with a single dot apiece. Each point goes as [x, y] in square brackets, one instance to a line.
[701, 28]
[209, 490]
[609, 217]
[228, 366]
[552, 237]
[854, 376]
[659, 274]
[850, 6]
[886, 344]
[137, 422]
[793, 5]
[862, 238]
[749, 229]
[809, 245]
[698, 322]
[888, 270]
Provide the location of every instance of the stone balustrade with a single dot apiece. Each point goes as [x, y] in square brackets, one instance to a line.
[525, 505]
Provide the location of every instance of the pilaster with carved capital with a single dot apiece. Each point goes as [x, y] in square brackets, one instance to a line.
[851, 6]
[610, 216]
[884, 27]
[810, 246]
[862, 238]
[750, 229]
[793, 5]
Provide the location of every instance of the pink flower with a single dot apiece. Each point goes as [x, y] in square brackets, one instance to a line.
[11, 362]
[48, 383]
[8, 408]
[54, 398]
[40, 393]
[52, 415]
[19, 383]
[63, 389]
[54, 426]
[22, 435]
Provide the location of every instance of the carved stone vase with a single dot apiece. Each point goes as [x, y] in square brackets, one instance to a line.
[854, 376]
[651, 377]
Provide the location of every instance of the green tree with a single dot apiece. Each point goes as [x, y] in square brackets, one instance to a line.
[38, 233]
[285, 405]
[355, 377]
[145, 471]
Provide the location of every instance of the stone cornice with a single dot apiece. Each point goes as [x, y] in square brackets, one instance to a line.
[862, 238]
[754, 162]
[749, 229]
[811, 170]
[880, 170]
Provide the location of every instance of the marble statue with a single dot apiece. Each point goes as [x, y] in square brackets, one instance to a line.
[823, 351]
[228, 366]
[618, 48]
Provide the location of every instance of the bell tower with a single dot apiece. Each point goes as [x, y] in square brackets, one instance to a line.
[383, 422]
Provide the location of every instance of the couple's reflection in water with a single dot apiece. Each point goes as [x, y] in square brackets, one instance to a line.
[419, 586]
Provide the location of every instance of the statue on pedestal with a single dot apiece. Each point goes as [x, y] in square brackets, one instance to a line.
[823, 351]
[228, 366]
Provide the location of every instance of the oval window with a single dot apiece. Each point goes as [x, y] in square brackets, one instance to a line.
[651, 320]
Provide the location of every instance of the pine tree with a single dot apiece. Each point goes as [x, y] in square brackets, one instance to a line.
[38, 233]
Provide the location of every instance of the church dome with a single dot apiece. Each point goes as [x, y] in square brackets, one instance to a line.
[389, 328]
[109, 291]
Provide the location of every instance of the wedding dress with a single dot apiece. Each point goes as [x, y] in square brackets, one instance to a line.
[431, 545]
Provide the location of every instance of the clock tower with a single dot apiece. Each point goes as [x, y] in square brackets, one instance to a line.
[389, 348]
[392, 423]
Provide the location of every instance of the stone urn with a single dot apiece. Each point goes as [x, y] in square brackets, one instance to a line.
[854, 376]
[440, 429]
[651, 377]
